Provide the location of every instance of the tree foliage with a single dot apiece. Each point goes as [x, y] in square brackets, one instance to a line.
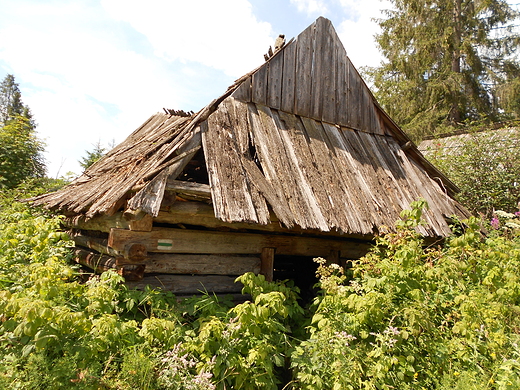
[92, 156]
[447, 61]
[21, 151]
[485, 166]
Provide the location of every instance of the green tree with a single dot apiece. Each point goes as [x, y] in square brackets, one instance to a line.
[485, 166]
[92, 156]
[20, 149]
[446, 61]
[20, 152]
[11, 100]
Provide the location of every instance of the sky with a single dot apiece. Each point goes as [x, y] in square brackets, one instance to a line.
[92, 71]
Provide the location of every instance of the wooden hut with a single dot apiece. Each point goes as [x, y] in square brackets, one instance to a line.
[295, 160]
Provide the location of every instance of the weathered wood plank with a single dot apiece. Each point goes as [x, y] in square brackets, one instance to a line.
[354, 97]
[267, 263]
[274, 84]
[289, 77]
[228, 181]
[183, 284]
[303, 169]
[259, 89]
[190, 188]
[198, 264]
[303, 85]
[150, 197]
[195, 241]
[329, 75]
[243, 92]
[280, 167]
[342, 87]
[320, 62]
[245, 150]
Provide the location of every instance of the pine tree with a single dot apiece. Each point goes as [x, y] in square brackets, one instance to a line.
[446, 62]
[92, 156]
[11, 100]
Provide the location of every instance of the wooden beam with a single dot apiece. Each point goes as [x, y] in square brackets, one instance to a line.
[101, 223]
[200, 264]
[189, 188]
[267, 263]
[95, 261]
[98, 244]
[168, 240]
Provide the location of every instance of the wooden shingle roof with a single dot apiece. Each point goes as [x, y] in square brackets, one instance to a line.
[301, 136]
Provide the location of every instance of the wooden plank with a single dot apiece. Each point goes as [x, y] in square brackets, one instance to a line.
[342, 87]
[198, 264]
[98, 244]
[320, 66]
[229, 184]
[150, 197]
[190, 188]
[243, 92]
[354, 97]
[279, 167]
[303, 85]
[279, 205]
[274, 83]
[164, 240]
[259, 89]
[267, 263]
[303, 169]
[289, 77]
[247, 152]
[329, 74]
[184, 284]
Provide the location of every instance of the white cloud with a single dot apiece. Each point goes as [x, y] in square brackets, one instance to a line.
[221, 34]
[86, 83]
[311, 7]
[357, 33]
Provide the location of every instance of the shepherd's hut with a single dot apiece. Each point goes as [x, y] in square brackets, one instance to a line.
[295, 160]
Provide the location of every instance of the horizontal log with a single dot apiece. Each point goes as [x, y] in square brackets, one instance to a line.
[184, 284]
[167, 240]
[101, 223]
[98, 244]
[165, 263]
[189, 188]
[95, 261]
[202, 214]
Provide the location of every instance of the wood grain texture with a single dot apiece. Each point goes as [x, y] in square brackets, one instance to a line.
[166, 240]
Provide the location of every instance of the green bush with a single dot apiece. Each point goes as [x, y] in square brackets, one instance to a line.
[405, 317]
[418, 318]
[485, 167]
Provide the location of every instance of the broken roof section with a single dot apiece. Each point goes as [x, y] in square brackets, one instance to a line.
[301, 137]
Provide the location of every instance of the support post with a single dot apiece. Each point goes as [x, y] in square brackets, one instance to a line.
[267, 263]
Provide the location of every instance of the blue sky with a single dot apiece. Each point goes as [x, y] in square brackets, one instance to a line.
[94, 70]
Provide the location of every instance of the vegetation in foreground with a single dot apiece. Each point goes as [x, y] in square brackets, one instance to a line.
[404, 317]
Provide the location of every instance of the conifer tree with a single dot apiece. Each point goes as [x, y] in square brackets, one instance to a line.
[446, 62]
